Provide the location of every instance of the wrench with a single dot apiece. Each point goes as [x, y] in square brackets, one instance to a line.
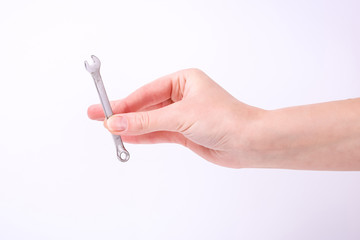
[94, 69]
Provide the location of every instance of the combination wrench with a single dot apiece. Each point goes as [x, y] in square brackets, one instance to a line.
[94, 69]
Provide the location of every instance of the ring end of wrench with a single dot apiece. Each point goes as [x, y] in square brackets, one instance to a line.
[123, 155]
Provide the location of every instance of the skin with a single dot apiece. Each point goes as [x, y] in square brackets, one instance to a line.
[189, 108]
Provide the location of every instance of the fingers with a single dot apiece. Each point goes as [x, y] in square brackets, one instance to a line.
[96, 112]
[168, 118]
[158, 93]
[150, 94]
[156, 106]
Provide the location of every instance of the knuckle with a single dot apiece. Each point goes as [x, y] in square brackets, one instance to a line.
[191, 72]
[194, 70]
[184, 128]
[142, 121]
[195, 74]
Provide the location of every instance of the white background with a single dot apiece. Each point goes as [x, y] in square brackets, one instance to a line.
[59, 177]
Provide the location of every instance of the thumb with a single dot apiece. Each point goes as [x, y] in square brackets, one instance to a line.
[137, 123]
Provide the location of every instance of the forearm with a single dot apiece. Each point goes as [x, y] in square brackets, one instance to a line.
[323, 136]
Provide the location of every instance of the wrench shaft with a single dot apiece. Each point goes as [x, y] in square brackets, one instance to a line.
[102, 94]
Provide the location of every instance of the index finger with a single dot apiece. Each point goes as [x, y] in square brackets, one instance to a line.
[153, 93]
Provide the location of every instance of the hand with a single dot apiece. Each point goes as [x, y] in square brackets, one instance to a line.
[187, 108]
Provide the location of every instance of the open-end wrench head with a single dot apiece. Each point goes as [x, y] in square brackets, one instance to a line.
[91, 68]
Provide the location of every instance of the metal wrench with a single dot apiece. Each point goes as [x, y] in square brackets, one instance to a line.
[94, 69]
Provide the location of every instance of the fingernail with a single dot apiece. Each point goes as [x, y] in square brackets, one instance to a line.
[117, 123]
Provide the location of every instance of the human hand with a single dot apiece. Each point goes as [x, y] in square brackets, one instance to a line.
[188, 108]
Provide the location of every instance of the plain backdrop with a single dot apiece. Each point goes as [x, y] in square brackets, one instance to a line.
[59, 176]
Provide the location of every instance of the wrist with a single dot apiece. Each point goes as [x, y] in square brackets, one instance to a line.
[266, 147]
[251, 143]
